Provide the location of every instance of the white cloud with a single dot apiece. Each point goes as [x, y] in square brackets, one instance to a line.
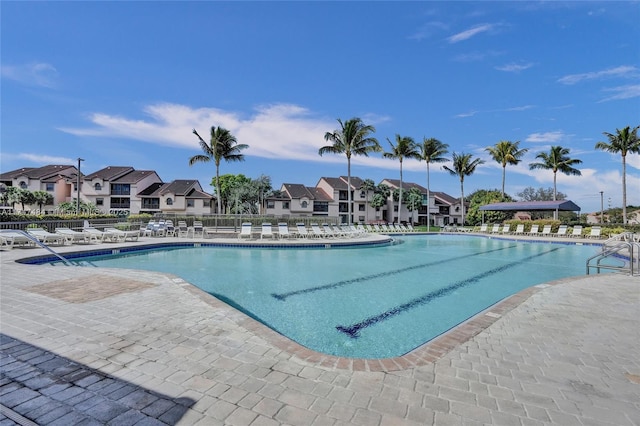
[38, 159]
[427, 30]
[621, 71]
[281, 131]
[514, 67]
[550, 137]
[622, 92]
[467, 34]
[34, 74]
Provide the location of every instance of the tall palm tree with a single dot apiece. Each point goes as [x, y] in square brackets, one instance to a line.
[352, 138]
[506, 152]
[223, 146]
[623, 142]
[405, 147]
[463, 165]
[432, 151]
[557, 159]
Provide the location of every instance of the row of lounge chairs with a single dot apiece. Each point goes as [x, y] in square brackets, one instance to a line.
[563, 231]
[65, 236]
[300, 231]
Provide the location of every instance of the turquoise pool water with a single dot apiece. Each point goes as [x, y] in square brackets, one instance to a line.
[373, 302]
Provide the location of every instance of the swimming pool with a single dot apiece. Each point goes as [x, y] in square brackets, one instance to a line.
[376, 302]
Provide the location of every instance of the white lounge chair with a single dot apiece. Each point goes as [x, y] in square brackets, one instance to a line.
[198, 229]
[483, 228]
[595, 232]
[316, 232]
[73, 236]
[329, 232]
[283, 230]
[506, 228]
[535, 229]
[519, 229]
[410, 227]
[182, 230]
[266, 231]
[245, 231]
[562, 231]
[46, 237]
[302, 230]
[376, 227]
[370, 228]
[169, 228]
[496, 228]
[121, 235]
[95, 235]
[11, 239]
[546, 231]
[576, 232]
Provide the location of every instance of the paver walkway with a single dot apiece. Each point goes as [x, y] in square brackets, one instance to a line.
[99, 346]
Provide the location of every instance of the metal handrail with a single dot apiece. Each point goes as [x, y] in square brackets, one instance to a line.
[37, 242]
[633, 250]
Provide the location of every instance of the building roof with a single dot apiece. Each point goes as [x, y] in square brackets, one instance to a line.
[180, 187]
[297, 191]
[395, 183]
[41, 173]
[134, 176]
[150, 190]
[445, 197]
[336, 183]
[109, 173]
[561, 205]
[319, 194]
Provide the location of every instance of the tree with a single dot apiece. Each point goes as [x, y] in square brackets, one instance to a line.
[623, 142]
[12, 195]
[405, 147]
[42, 198]
[557, 159]
[482, 197]
[540, 194]
[463, 165]
[222, 146]
[353, 138]
[380, 196]
[506, 152]
[26, 198]
[432, 151]
[227, 189]
[414, 199]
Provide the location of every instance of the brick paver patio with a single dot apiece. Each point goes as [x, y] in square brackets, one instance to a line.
[99, 346]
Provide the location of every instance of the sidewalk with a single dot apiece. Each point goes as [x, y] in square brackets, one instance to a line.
[99, 346]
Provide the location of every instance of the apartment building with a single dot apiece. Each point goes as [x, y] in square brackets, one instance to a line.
[115, 189]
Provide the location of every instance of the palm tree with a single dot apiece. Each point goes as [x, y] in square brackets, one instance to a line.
[506, 152]
[405, 147]
[623, 142]
[557, 160]
[463, 165]
[353, 138]
[432, 151]
[223, 146]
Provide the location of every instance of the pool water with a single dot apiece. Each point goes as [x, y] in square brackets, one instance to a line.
[376, 302]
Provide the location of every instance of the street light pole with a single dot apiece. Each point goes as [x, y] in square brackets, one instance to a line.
[78, 187]
[601, 207]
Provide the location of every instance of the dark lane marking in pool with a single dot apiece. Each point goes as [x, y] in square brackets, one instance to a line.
[353, 331]
[283, 296]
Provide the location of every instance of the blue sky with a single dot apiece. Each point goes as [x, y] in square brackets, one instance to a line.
[123, 83]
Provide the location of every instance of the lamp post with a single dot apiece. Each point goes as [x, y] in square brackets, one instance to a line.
[601, 207]
[78, 187]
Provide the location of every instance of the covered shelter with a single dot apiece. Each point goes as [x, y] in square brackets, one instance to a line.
[555, 206]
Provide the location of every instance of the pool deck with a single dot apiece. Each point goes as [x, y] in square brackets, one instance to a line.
[102, 346]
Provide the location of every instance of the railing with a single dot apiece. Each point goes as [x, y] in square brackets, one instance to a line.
[625, 248]
[38, 243]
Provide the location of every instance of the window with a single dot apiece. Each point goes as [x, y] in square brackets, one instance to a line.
[99, 201]
[120, 189]
[320, 206]
[395, 208]
[304, 204]
[49, 186]
[206, 203]
[120, 203]
[23, 184]
[285, 205]
[361, 207]
[363, 194]
[191, 203]
[151, 203]
[169, 201]
[271, 204]
[361, 219]
[97, 187]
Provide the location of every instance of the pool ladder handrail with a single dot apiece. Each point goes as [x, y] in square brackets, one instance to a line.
[626, 241]
[38, 243]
